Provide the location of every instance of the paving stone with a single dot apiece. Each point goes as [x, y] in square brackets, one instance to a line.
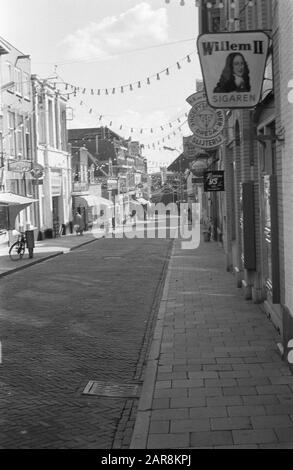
[235, 374]
[273, 389]
[172, 413]
[220, 382]
[260, 436]
[271, 421]
[285, 409]
[189, 383]
[208, 412]
[285, 434]
[202, 375]
[159, 403]
[163, 384]
[260, 400]
[230, 423]
[159, 427]
[280, 445]
[188, 402]
[242, 391]
[168, 441]
[211, 439]
[246, 410]
[224, 401]
[190, 425]
[282, 380]
[171, 393]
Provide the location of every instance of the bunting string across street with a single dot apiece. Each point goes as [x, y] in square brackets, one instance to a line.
[70, 89]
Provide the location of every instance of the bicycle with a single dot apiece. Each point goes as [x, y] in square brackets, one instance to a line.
[17, 250]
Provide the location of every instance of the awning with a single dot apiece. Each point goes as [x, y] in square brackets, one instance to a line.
[11, 199]
[92, 201]
[14, 204]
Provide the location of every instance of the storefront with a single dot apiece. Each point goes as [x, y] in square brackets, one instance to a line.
[91, 208]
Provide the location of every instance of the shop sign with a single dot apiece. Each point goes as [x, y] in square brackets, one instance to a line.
[190, 149]
[20, 166]
[112, 184]
[205, 123]
[37, 171]
[233, 66]
[214, 181]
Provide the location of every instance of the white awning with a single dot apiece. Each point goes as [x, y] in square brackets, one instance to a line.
[92, 201]
[14, 204]
[11, 199]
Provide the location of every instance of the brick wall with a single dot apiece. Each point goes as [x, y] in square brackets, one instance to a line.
[284, 73]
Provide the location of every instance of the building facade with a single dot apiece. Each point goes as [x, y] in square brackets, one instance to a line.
[253, 218]
[16, 129]
[50, 140]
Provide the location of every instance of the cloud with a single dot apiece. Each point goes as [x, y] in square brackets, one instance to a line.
[139, 26]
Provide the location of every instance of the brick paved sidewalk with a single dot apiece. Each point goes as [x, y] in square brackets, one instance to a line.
[214, 378]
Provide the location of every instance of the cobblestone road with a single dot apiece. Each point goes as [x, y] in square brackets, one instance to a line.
[83, 316]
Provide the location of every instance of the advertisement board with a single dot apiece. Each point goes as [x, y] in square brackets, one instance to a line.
[233, 66]
[214, 181]
[205, 123]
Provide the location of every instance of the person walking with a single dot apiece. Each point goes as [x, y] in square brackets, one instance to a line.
[78, 223]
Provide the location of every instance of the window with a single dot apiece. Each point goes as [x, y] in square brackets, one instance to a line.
[51, 123]
[41, 120]
[63, 126]
[26, 85]
[18, 81]
[11, 134]
[19, 137]
[57, 125]
[8, 75]
[27, 139]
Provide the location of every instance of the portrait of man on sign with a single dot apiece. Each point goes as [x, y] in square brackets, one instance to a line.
[235, 76]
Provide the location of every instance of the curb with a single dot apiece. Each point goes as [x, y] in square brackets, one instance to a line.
[142, 422]
[45, 258]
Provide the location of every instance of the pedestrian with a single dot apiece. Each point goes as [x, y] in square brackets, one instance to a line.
[78, 223]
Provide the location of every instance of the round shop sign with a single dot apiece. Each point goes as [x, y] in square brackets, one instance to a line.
[206, 123]
[37, 171]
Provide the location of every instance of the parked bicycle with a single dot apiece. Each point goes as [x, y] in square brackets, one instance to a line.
[17, 250]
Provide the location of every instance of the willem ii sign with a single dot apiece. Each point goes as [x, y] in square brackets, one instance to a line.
[233, 66]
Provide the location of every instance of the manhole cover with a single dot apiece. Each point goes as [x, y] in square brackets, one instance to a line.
[108, 389]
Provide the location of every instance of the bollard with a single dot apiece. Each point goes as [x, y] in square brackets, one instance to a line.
[30, 242]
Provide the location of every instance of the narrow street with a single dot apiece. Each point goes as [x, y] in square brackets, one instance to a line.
[83, 316]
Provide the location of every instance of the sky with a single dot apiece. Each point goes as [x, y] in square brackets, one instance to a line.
[105, 44]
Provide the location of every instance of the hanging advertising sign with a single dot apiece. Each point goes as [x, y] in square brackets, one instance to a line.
[20, 166]
[37, 171]
[233, 66]
[214, 181]
[112, 184]
[205, 123]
